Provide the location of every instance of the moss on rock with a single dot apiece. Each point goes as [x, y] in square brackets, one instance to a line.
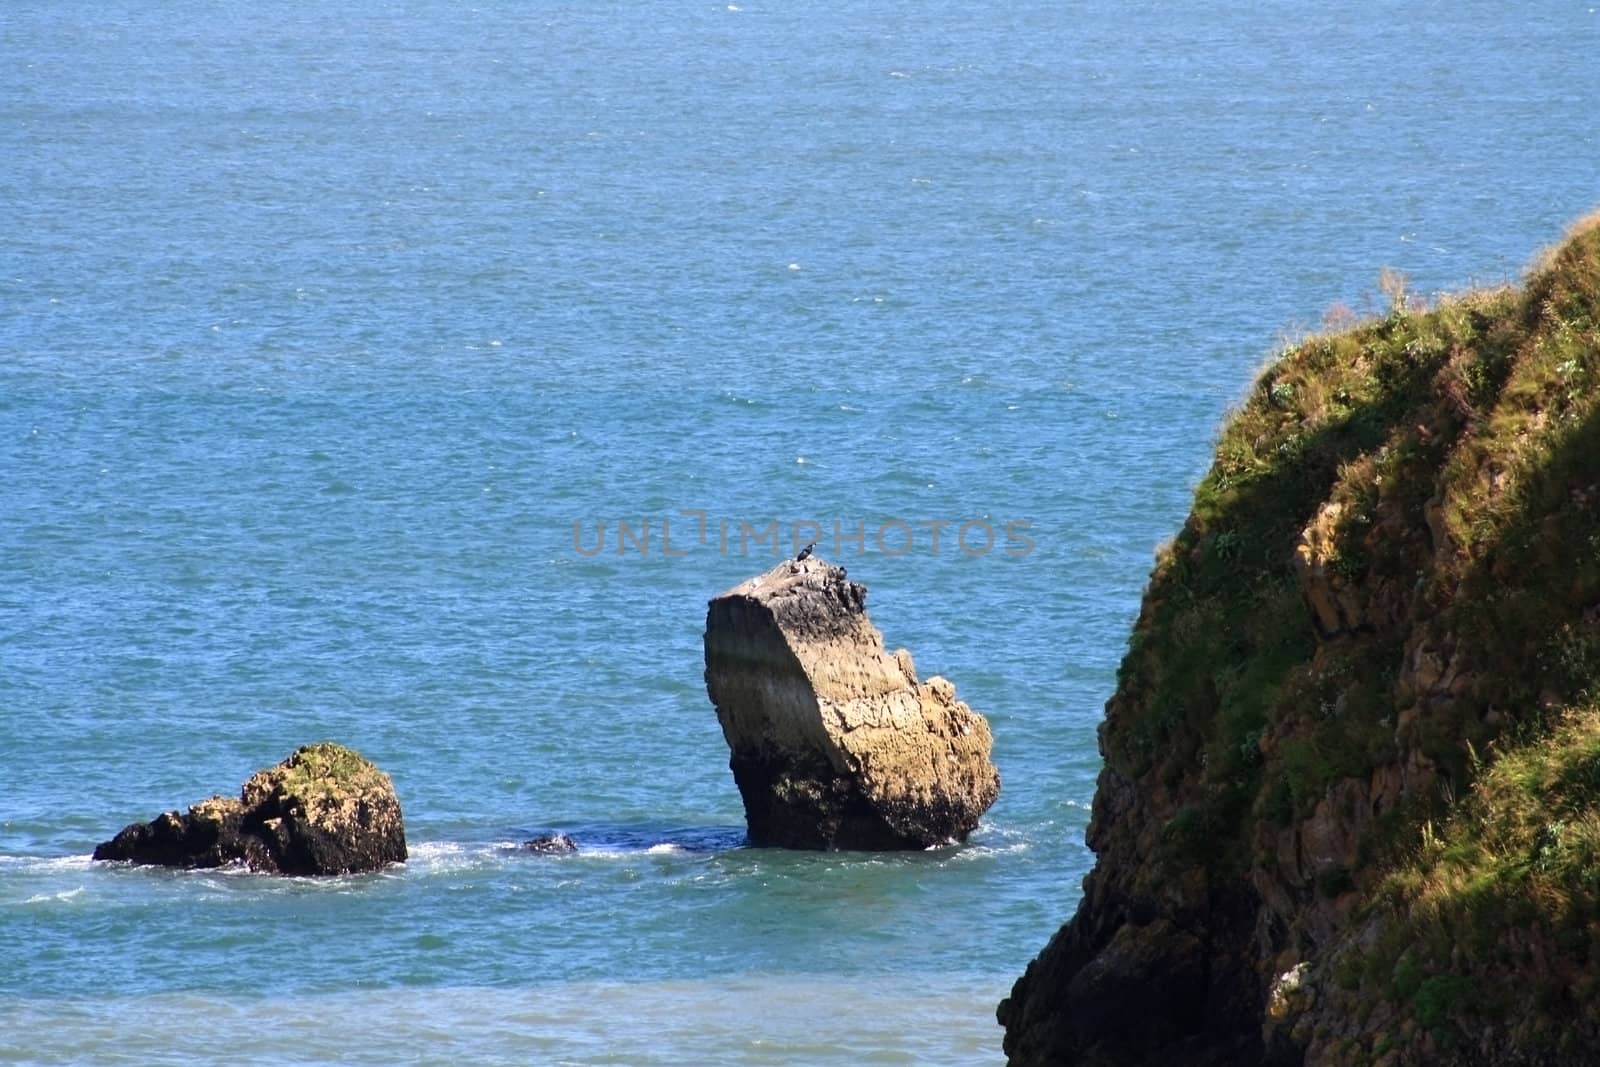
[324, 810]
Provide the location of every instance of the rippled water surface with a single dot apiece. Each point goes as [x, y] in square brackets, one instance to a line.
[321, 328]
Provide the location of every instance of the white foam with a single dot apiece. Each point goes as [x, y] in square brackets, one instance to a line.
[50, 863]
[446, 856]
[237, 870]
[46, 898]
[977, 852]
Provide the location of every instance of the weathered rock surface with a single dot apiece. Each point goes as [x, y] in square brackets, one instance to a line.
[324, 810]
[834, 742]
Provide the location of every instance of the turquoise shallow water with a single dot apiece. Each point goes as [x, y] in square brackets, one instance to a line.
[319, 331]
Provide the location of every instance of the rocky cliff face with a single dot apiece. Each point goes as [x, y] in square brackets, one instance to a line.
[834, 742]
[324, 810]
[1350, 809]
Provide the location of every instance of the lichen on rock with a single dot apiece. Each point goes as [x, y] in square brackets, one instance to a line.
[323, 810]
[834, 742]
[1349, 812]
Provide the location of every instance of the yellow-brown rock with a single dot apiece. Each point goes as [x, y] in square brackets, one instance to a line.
[834, 742]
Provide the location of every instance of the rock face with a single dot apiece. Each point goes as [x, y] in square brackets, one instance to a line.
[324, 810]
[835, 744]
[1349, 812]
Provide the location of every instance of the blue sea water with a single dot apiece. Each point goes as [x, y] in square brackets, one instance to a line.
[331, 335]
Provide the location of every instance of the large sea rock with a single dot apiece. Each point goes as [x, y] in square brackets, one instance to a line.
[835, 743]
[324, 810]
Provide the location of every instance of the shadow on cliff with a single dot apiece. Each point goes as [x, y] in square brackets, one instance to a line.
[1159, 973]
[1481, 920]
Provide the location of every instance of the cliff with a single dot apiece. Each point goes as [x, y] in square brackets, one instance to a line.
[1350, 807]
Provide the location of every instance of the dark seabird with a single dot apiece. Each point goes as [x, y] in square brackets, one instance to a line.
[805, 553]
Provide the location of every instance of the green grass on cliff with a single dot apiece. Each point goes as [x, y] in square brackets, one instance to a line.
[1226, 649]
[1443, 465]
[1457, 445]
[1520, 853]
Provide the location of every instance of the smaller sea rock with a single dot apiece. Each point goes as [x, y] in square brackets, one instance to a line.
[551, 844]
[324, 810]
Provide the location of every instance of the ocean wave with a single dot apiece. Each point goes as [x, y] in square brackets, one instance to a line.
[935, 1019]
[454, 857]
[625, 839]
[46, 864]
[52, 898]
[985, 850]
[594, 842]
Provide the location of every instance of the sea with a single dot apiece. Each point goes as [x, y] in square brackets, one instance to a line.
[409, 373]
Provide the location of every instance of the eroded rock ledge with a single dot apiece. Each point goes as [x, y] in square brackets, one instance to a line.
[324, 810]
[834, 742]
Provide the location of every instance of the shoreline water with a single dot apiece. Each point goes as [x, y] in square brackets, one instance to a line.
[921, 1019]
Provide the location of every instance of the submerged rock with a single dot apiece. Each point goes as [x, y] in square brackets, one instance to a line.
[551, 844]
[324, 810]
[835, 743]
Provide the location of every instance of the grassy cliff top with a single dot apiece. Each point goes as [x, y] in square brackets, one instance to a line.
[1366, 675]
